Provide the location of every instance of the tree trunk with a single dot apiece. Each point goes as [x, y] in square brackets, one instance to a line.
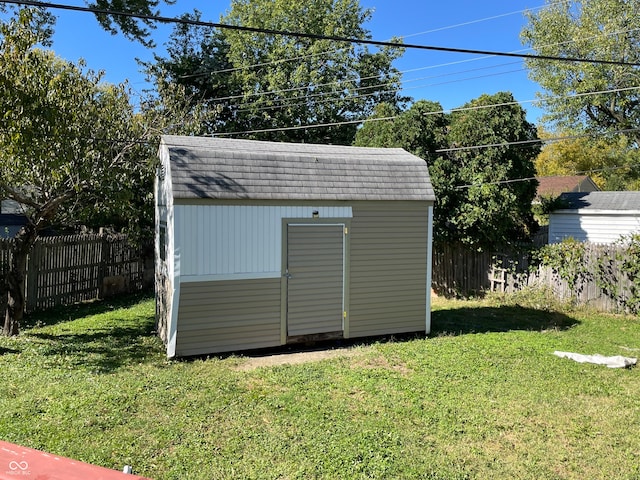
[16, 279]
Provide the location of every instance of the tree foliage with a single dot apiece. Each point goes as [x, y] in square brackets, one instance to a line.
[263, 81]
[613, 164]
[421, 129]
[477, 203]
[486, 193]
[137, 29]
[69, 145]
[590, 29]
[133, 28]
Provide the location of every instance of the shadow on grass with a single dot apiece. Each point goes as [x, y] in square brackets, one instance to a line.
[461, 321]
[104, 350]
[69, 313]
[6, 351]
[110, 342]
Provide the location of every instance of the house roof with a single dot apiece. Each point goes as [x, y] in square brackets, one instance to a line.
[216, 168]
[555, 185]
[622, 201]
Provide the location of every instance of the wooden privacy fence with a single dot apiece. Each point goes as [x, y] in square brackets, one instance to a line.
[461, 272]
[68, 269]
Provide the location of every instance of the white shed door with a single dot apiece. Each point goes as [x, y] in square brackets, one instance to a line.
[315, 285]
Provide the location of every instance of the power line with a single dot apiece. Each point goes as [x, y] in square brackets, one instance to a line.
[359, 96]
[502, 15]
[301, 57]
[313, 36]
[529, 142]
[338, 82]
[461, 109]
[529, 179]
[274, 92]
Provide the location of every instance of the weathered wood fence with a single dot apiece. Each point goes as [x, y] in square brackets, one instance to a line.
[68, 269]
[461, 272]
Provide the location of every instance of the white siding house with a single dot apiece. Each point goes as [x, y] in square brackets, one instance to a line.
[260, 244]
[597, 217]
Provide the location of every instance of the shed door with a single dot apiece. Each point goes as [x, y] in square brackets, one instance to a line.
[315, 273]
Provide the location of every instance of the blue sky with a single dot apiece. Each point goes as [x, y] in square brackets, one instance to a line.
[449, 78]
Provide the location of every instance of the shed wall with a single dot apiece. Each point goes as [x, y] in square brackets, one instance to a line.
[388, 262]
[233, 242]
[228, 315]
[591, 227]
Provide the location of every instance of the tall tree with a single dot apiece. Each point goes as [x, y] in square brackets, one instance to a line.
[68, 142]
[589, 29]
[265, 81]
[483, 184]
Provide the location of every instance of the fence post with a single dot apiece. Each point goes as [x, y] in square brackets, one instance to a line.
[33, 268]
[104, 257]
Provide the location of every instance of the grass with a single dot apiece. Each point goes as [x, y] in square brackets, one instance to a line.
[482, 397]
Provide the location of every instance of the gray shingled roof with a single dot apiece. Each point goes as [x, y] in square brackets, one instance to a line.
[629, 201]
[204, 167]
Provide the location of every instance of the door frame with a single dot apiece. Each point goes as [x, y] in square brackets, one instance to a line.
[346, 270]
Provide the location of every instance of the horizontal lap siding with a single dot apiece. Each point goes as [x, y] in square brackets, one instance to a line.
[315, 263]
[388, 264]
[228, 315]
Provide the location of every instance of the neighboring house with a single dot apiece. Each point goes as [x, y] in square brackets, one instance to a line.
[11, 218]
[260, 244]
[552, 187]
[597, 217]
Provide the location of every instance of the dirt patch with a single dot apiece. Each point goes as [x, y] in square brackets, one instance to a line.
[251, 363]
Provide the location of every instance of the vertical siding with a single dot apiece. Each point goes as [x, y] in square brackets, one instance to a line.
[229, 240]
[388, 267]
[227, 316]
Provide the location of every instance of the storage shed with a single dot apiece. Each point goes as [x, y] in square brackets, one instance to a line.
[260, 244]
[597, 217]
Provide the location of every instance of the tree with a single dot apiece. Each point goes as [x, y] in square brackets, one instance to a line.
[68, 143]
[133, 28]
[421, 129]
[197, 65]
[484, 194]
[590, 29]
[264, 81]
[612, 164]
[480, 198]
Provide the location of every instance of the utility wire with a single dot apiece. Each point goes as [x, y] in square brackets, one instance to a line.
[528, 142]
[529, 179]
[338, 82]
[244, 107]
[311, 55]
[461, 109]
[306, 35]
[313, 36]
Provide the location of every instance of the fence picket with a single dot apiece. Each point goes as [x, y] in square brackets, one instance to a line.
[461, 272]
[74, 268]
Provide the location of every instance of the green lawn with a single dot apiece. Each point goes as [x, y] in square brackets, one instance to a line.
[482, 397]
